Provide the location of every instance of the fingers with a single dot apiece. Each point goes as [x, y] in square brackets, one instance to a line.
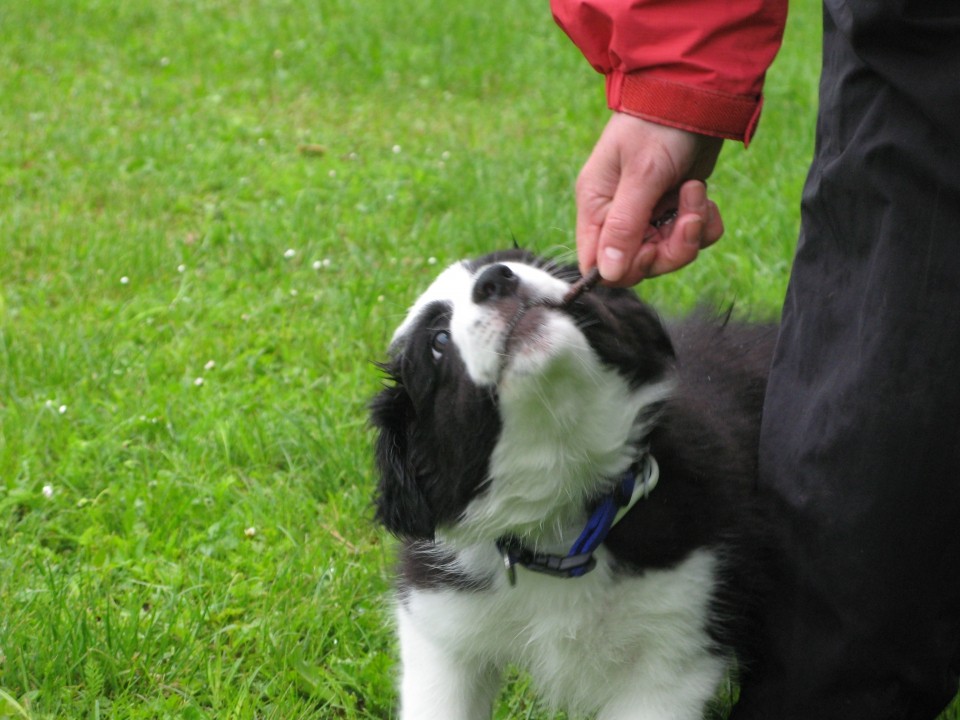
[635, 168]
[590, 213]
[675, 244]
[596, 186]
[620, 243]
[698, 225]
[627, 173]
[695, 204]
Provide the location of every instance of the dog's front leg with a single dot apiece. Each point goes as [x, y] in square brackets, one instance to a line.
[679, 690]
[437, 684]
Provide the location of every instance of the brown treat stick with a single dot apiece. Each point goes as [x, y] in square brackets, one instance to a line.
[581, 286]
[593, 277]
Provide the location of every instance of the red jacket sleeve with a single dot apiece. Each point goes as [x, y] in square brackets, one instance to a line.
[693, 64]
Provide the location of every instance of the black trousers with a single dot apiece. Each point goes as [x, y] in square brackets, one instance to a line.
[860, 446]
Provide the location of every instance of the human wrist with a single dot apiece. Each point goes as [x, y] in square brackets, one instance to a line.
[687, 107]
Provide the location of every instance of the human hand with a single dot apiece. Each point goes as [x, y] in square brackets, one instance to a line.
[637, 173]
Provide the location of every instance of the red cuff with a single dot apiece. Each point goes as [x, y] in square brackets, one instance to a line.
[700, 110]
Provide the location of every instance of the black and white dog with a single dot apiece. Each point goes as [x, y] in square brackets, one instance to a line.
[573, 485]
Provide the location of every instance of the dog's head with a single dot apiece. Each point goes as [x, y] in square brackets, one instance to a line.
[508, 411]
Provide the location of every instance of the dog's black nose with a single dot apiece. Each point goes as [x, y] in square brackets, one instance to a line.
[497, 281]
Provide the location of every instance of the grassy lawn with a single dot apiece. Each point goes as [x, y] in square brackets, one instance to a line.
[212, 215]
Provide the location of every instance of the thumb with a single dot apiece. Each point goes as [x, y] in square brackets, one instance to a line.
[625, 226]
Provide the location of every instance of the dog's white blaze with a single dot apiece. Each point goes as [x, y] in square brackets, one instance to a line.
[625, 647]
[479, 330]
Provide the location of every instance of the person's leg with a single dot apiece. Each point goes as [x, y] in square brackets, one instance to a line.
[860, 446]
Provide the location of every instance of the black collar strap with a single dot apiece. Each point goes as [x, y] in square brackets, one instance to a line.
[636, 483]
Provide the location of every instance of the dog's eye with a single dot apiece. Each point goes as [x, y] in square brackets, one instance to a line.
[441, 339]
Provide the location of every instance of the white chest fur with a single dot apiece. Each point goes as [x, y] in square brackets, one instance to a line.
[618, 645]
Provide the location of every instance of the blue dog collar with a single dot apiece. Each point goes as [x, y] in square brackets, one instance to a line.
[633, 486]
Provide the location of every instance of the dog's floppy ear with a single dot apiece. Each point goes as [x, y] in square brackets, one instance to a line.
[401, 505]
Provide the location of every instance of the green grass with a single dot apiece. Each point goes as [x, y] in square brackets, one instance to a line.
[212, 215]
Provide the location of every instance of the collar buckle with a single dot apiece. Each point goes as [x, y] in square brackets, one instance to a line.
[562, 566]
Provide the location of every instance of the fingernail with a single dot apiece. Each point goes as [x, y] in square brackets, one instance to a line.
[693, 233]
[611, 263]
[700, 201]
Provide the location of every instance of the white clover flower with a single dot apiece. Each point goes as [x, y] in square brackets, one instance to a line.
[181, 268]
[124, 280]
[209, 365]
[289, 253]
[431, 260]
[317, 264]
[198, 382]
[250, 532]
[62, 409]
[47, 491]
[397, 149]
